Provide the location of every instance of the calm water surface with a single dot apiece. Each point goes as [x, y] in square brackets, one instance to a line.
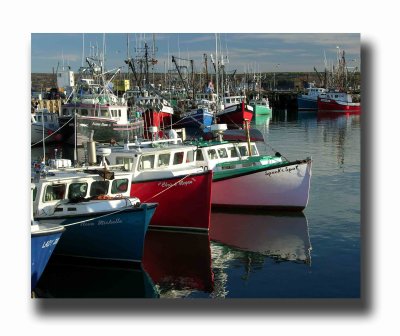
[314, 254]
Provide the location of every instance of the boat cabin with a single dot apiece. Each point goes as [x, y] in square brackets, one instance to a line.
[338, 96]
[45, 117]
[155, 159]
[233, 100]
[225, 155]
[62, 190]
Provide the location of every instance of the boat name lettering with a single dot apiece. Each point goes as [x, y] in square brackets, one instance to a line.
[281, 170]
[110, 222]
[180, 183]
[50, 243]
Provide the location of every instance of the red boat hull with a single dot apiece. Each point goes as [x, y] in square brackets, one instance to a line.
[184, 202]
[333, 106]
[235, 115]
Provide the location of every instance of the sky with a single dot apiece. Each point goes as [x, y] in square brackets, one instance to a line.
[243, 52]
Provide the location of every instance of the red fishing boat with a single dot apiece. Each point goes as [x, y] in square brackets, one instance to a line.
[235, 112]
[338, 102]
[167, 174]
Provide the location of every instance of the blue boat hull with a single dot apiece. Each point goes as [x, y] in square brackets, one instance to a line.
[42, 247]
[196, 118]
[116, 236]
[306, 104]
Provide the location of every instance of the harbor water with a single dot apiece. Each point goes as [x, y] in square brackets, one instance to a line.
[312, 254]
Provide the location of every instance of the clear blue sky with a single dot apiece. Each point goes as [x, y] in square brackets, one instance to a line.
[245, 51]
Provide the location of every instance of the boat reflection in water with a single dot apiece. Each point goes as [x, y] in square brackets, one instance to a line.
[244, 240]
[62, 279]
[179, 263]
[282, 236]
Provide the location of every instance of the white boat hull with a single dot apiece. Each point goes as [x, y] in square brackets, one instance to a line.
[284, 188]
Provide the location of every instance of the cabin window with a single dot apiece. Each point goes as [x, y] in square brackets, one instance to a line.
[163, 160]
[126, 161]
[146, 162]
[222, 153]
[65, 112]
[199, 155]
[77, 190]
[254, 150]
[243, 151]
[39, 118]
[119, 186]
[99, 188]
[119, 113]
[104, 113]
[84, 112]
[228, 101]
[189, 156]
[34, 193]
[54, 192]
[212, 154]
[178, 158]
[45, 118]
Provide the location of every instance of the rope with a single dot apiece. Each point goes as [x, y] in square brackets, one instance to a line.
[173, 185]
[53, 132]
[275, 151]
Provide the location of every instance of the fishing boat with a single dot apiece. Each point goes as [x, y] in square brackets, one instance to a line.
[44, 239]
[94, 107]
[309, 100]
[103, 221]
[338, 102]
[199, 112]
[235, 112]
[44, 127]
[164, 171]
[156, 111]
[261, 109]
[242, 177]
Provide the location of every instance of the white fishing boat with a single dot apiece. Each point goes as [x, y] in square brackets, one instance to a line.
[102, 220]
[44, 126]
[94, 107]
[242, 177]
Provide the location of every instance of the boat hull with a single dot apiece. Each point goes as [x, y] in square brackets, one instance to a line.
[196, 118]
[111, 235]
[283, 187]
[43, 243]
[184, 202]
[49, 134]
[235, 115]
[307, 104]
[103, 130]
[333, 106]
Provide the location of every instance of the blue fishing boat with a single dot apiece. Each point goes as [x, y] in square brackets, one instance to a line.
[103, 222]
[196, 117]
[44, 239]
[309, 101]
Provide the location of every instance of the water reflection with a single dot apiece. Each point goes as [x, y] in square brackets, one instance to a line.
[179, 263]
[282, 236]
[249, 239]
[66, 280]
